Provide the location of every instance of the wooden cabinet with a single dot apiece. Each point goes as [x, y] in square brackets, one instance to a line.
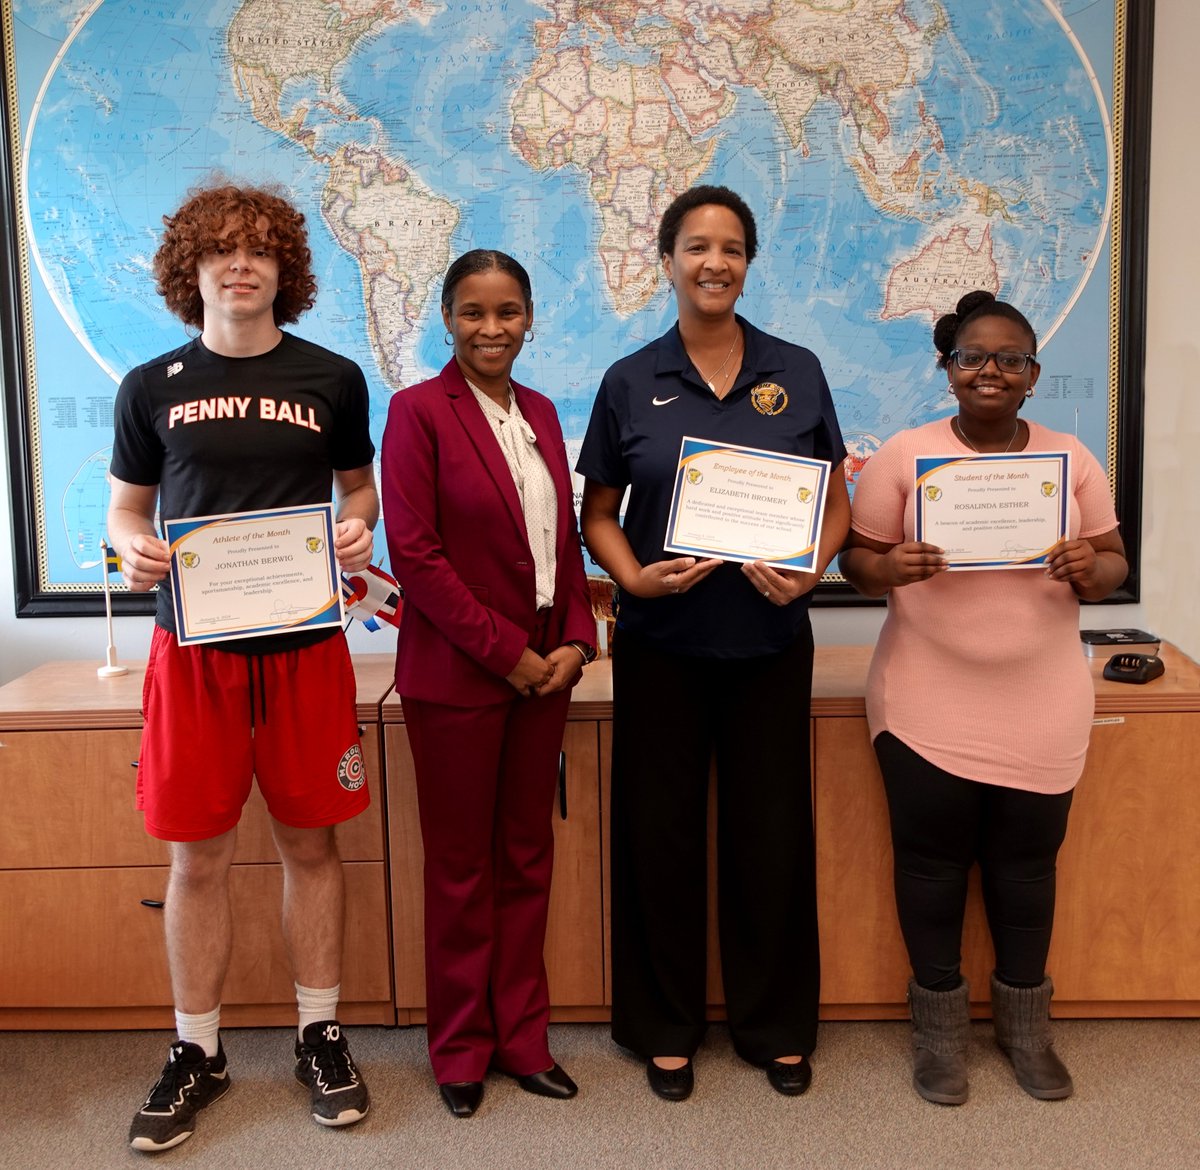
[575, 963]
[79, 876]
[80, 949]
[1127, 928]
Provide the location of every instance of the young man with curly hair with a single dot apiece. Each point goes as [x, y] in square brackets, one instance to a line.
[244, 417]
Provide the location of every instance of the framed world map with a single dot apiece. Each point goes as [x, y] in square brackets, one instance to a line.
[896, 154]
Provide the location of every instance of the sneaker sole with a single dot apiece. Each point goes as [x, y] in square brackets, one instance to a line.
[147, 1145]
[346, 1117]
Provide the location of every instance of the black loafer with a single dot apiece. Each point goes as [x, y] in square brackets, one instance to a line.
[554, 1082]
[671, 1084]
[462, 1097]
[790, 1079]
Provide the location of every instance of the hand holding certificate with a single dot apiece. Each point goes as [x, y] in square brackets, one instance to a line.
[746, 504]
[994, 511]
[251, 574]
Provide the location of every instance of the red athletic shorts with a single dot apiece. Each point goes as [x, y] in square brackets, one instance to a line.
[215, 719]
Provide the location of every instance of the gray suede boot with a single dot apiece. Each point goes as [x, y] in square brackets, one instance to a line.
[941, 1028]
[1022, 1019]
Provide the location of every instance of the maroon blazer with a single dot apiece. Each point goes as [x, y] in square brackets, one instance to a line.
[457, 542]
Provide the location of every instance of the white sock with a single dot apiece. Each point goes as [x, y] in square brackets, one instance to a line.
[316, 1004]
[202, 1029]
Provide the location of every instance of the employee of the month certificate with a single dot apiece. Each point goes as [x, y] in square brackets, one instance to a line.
[744, 504]
[251, 574]
[994, 511]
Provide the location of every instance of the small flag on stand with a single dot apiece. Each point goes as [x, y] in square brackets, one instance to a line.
[371, 594]
[111, 563]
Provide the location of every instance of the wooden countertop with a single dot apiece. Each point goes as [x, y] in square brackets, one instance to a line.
[69, 696]
[840, 677]
[65, 696]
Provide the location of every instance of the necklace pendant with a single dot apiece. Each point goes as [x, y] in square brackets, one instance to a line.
[711, 387]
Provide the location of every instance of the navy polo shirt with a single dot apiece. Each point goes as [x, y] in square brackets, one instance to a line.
[646, 403]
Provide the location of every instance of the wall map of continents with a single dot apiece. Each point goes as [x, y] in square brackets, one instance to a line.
[895, 152]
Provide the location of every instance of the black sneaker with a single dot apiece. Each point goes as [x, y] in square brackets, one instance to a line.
[324, 1064]
[190, 1080]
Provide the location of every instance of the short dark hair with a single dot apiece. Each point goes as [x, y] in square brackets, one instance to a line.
[979, 303]
[668, 229]
[484, 260]
[195, 230]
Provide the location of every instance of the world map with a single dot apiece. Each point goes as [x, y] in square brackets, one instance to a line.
[896, 154]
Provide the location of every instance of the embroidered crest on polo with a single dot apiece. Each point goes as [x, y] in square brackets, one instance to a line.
[769, 398]
[350, 772]
[174, 368]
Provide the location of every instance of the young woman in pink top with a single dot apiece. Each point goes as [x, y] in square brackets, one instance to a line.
[980, 703]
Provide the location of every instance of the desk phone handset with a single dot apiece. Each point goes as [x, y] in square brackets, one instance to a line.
[1133, 668]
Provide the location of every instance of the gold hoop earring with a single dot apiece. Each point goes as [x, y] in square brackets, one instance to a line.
[448, 338]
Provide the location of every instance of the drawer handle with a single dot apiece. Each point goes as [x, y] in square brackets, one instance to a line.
[562, 785]
[153, 903]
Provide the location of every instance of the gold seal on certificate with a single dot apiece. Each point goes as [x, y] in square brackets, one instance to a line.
[994, 511]
[746, 504]
[252, 574]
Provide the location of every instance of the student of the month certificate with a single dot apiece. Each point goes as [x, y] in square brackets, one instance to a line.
[746, 504]
[252, 574]
[994, 511]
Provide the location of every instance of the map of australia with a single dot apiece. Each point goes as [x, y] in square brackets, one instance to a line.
[896, 153]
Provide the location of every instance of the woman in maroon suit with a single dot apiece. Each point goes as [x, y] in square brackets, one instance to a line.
[481, 530]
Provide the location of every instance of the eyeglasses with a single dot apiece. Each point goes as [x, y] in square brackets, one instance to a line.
[1006, 360]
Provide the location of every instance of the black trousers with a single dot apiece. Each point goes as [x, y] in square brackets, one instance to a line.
[941, 825]
[671, 714]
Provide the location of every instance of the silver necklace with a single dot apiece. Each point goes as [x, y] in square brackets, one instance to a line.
[956, 426]
[709, 382]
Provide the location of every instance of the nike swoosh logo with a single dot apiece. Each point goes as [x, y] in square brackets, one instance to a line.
[663, 401]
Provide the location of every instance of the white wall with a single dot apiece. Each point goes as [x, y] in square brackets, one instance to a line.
[1171, 502]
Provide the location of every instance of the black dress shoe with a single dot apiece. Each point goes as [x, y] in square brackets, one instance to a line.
[554, 1082]
[671, 1084]
[462, 1097]
[790, 1079]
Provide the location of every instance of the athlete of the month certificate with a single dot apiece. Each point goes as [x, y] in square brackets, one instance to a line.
[994, 511]
[745, 504]
[253, 574]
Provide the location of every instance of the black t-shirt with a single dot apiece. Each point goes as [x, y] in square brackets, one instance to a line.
[218, 434]
[646, 403]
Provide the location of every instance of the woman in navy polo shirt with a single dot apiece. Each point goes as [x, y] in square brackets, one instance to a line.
[709, 657]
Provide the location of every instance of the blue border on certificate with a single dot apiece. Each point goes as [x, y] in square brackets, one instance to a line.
[927, 465]
[327, 617]
[804, 559]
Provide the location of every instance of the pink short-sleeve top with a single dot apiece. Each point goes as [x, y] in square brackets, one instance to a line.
[982, 673]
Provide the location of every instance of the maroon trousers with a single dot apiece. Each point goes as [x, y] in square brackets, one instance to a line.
[486, 782]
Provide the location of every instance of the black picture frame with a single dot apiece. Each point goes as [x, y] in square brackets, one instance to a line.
[1133, 49]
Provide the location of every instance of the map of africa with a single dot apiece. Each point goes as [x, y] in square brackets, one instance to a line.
[896, 153]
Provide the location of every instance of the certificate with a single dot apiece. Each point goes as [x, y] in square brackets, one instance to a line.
[252, 574]
[744, 504]
[994, 511]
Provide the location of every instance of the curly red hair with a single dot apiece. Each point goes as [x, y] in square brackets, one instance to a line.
[196, 229]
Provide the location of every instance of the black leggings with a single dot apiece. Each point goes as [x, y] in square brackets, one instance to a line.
[941, 824]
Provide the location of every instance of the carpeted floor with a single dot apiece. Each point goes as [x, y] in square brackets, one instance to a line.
[66, 1100]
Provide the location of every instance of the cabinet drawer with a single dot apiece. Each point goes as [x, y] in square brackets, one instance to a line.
[69, 797]
[81, 938]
